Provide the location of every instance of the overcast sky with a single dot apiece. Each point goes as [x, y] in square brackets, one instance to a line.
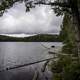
[39, 20]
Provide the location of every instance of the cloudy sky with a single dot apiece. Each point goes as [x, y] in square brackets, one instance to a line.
[39, 20]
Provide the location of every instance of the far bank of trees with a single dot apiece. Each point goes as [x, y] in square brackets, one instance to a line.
[36, 38]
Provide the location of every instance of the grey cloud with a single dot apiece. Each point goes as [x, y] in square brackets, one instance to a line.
[39, 20]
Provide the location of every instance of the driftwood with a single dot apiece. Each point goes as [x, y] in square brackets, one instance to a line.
[27, 64]
[36, 74]
[44, 66]
[50, 52]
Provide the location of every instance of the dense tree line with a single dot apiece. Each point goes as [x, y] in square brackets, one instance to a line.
[36, 38]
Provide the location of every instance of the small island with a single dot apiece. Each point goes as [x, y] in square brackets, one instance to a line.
[35, 38]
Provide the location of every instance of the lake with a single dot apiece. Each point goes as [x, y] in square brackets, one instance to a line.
[19, 53]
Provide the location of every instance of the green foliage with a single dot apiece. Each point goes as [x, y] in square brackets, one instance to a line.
[68, 35]
[61, 6]
[67, 66]
[72, 72]
[6, 4]
[65, 69]
[60, 10]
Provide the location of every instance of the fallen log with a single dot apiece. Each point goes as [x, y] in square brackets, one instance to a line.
[27, 64]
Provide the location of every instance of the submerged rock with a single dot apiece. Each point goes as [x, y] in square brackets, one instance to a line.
[52, 46]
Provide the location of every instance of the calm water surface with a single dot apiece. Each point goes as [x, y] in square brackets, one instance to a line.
[16, 53]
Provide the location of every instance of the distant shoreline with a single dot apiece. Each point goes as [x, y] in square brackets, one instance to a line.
[35, 38]
[30, 41]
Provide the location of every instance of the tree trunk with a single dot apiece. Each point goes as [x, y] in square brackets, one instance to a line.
[76, 21]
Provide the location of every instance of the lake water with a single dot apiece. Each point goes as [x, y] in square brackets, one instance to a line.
[17, 53]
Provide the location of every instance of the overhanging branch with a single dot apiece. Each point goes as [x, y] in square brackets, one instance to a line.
[55, 4]
[8, 4]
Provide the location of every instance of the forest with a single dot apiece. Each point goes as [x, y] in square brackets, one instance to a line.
[35, 38]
